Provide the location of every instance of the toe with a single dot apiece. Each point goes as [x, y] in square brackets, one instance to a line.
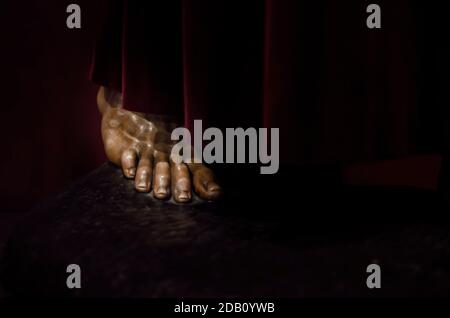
[129, 159]
[161, 180]
[181, 183]
[143, 178]
[205, 184]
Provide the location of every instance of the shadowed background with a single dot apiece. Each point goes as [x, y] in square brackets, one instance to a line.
[51, 127]
[51, 135]
[50, 124]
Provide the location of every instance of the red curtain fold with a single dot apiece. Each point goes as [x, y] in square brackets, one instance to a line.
[337, 90]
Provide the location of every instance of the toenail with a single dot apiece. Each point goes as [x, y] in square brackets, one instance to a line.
[161, 191]
[184, 195]
[212, 187]
[183, 184]
[142, 185]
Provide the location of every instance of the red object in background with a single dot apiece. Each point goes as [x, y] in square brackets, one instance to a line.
[51, 127]
[50, 130]
[417, 171]
[338, 91]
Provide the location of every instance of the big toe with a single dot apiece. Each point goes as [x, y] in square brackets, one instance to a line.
[206, 186]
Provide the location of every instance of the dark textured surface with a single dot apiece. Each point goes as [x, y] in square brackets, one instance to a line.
[129, 244]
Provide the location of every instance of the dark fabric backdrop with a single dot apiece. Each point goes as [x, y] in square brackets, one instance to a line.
[50, 132]
[337, 90]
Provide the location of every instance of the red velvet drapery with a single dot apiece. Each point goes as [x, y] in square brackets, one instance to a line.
[51, 125]
[337, 90]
